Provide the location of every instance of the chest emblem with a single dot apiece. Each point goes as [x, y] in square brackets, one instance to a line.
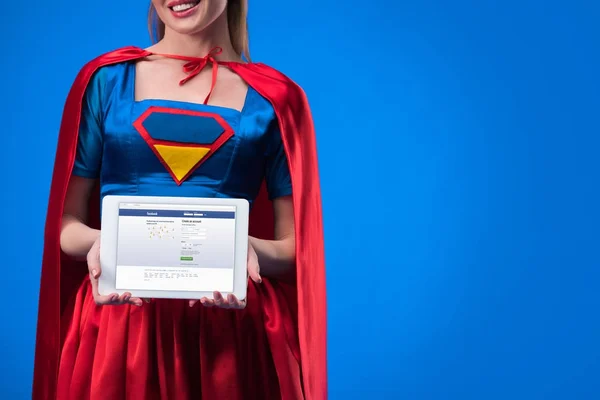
[182, 139]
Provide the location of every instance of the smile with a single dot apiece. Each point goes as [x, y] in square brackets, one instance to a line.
[183, 7]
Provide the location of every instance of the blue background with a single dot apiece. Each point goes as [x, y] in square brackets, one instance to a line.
[470, 126]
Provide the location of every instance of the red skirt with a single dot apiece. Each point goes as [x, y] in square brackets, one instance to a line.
[169, 350]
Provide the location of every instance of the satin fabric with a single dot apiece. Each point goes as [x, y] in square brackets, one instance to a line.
[276, 348]
[166, 350]
[110, 148]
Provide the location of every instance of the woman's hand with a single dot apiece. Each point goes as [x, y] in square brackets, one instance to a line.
[231, 301]
[93, 261]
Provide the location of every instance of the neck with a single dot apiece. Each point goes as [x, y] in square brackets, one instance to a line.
[199, 44]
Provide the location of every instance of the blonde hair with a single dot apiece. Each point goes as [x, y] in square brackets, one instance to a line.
[237, 20]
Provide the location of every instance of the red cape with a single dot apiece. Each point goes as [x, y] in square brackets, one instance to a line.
[61, 276]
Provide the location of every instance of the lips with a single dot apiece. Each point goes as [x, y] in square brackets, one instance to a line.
[182, 6]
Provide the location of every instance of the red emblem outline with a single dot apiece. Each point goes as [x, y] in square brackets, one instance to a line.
[224, 137]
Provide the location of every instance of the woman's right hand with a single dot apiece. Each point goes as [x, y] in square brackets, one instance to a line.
[93, 261]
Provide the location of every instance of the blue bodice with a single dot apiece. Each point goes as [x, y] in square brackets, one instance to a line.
[171, 148]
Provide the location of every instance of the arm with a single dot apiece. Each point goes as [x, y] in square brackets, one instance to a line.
[277, 257]
[76, 238]
[79, 240]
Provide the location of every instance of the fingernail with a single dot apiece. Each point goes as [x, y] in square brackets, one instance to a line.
[94, 272]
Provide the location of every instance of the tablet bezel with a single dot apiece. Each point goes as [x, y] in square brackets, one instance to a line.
[109, 241]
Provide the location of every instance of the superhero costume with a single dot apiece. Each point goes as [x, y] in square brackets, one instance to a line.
[276, 347]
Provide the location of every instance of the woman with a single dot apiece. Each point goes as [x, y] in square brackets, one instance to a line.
[117, 347]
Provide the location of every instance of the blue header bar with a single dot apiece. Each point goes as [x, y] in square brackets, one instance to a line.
[129, 212]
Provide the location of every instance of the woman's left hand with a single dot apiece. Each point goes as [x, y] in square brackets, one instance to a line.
[231, 301]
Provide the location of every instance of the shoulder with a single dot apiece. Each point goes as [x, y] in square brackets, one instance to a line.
[279, 87]
[108, 73]
[104, 83]
[123, 54]
[108, 65]
[274, 74]
[106, 70]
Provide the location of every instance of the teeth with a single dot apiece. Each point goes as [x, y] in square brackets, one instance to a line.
[183, 7]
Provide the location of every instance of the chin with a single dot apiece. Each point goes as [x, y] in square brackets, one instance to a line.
[190, 16]
[186, 28]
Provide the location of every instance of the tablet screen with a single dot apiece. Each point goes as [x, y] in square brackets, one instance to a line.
[175, 247]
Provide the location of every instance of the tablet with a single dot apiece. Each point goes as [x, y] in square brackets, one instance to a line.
[173, 247]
